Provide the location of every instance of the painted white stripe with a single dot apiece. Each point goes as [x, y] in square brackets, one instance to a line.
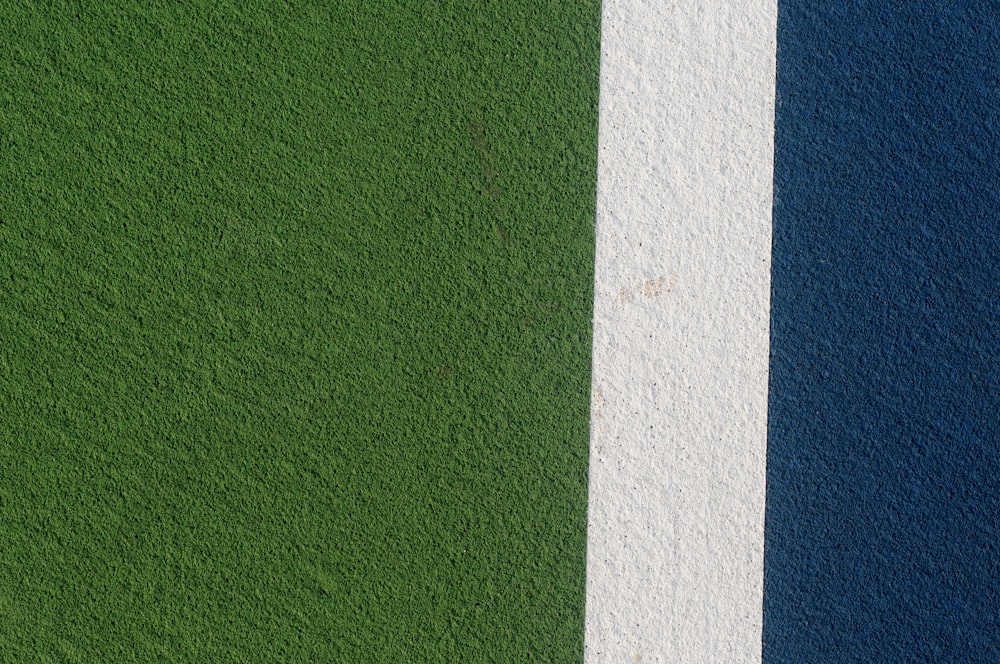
[678, 423]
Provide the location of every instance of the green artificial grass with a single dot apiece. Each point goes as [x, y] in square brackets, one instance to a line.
[295, 330]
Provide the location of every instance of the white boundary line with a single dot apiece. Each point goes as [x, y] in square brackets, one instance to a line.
[679, 400]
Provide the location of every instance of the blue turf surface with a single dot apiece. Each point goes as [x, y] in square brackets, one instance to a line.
[883, 499]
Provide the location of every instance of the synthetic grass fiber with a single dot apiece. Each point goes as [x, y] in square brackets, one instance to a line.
[295, 325]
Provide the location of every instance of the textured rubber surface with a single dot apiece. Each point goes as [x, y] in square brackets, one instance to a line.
[675, 542]
[295, 329]
[883, 495]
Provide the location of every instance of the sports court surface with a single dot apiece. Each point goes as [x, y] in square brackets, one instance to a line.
[536, 331]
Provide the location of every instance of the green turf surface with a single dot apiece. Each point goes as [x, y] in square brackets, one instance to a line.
[295, 330]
